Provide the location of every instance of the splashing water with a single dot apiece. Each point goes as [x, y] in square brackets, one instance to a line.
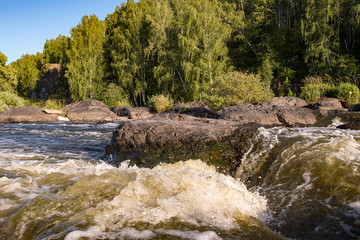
[301, 183]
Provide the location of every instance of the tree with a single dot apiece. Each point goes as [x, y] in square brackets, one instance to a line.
[201, 48]
[8, 81]
[55, 50]
[320, 31]
[85, 71]
[28, 69]
[3, 59]
[128, 43]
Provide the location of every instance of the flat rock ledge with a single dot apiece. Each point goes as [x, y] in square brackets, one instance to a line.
[27, 114]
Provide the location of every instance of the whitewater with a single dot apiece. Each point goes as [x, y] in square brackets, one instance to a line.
[297, 183]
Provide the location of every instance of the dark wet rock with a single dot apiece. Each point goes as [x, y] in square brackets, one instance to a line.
[287, 101]
[350, 120]
[195, 109]
[355, 108]
[89, 111]
[269, 115]
[351, 125]
[26, 114]
[49, 79]
[133, 113]
[173, 137]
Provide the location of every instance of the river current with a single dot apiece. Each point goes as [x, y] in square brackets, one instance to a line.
[297, 183]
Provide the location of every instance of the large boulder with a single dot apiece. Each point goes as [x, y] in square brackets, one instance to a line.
[89, 111]
[133, 113]
[173, 137]
[269, 115]
[26, 114]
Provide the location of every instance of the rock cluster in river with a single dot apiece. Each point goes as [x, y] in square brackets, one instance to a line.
[193, 131]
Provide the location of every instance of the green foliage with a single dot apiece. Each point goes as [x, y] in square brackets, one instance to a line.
[55, 104]
[85, 70]
[160, 103]
[11, 99]
[3, 59]
[311, 92]
[236, 88]
[349, 93]
[315, 88]
[115, 96]
[55, 50]
[180, 47]
[8, 80]
[3, 106]
[287, 87]
[266, 71]
[28, 69]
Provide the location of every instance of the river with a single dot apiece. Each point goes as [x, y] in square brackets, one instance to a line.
[297, 183]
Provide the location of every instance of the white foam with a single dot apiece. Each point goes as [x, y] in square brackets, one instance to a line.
[129, 232]
[64, 119]
[191, 191]
[96, 233]
[355, 206]
[6, 204]
[191, 235]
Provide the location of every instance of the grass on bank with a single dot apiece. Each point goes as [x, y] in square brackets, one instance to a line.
[316, 88]
[12, 100]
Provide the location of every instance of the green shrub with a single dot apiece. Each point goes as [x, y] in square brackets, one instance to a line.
[349, 93]
[311, 92]
[3, 106]
[115, 95]
[11, 99]
[315, 88]
[329, 90]
[56, 104]
[236, 88]
[160, 103]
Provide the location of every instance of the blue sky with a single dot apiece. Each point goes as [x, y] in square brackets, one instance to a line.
[25, 25]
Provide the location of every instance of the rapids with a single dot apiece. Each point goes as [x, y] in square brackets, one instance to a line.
[300, 183]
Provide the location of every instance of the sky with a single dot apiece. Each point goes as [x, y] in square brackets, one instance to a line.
[25, 25]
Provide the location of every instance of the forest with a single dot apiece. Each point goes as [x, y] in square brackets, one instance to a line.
[205, 49]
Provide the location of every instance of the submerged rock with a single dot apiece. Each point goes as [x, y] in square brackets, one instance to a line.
[173, 137]
[26, 114]
[89, 111]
